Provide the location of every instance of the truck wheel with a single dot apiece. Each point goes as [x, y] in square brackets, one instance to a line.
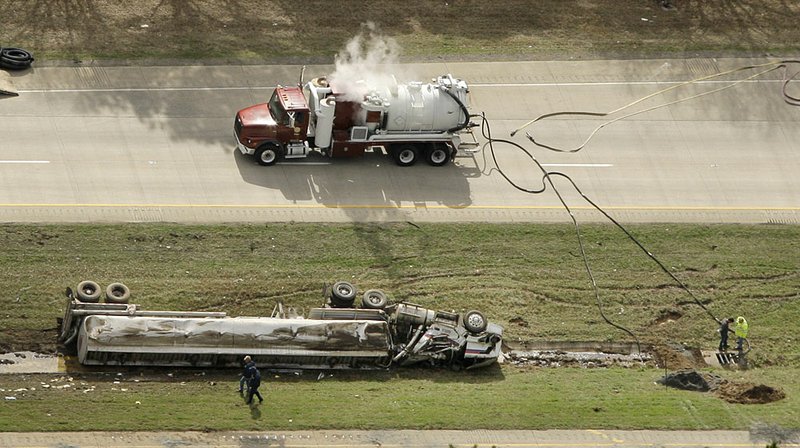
[475, 322]
[89, 291]
[438, 155]
[117, 293]
[343, 294]
[374, 299]
[406, 155]
[267, 155]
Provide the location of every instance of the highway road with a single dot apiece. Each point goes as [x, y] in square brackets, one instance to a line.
[153, 144]
[404, 438]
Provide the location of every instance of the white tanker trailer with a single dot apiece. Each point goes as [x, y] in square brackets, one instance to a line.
[408, 121]
[336, 336]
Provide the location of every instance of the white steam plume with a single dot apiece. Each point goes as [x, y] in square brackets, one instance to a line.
[368, 62]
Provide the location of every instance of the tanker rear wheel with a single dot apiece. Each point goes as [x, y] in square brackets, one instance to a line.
[89, 291]
[343, 294]
[405, 155]
[437, 155]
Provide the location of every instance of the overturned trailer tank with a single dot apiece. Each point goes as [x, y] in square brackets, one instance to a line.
[338, 335]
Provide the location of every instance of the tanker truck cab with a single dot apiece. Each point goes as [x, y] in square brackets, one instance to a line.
[276, 129]
[409, 121]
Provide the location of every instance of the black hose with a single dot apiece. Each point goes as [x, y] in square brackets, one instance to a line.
[463, 110]
[15, 58]
[487, 134]
[792, 100]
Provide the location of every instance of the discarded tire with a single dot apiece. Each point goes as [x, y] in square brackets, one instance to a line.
[15, 58]
[117, 293]
[89, 291]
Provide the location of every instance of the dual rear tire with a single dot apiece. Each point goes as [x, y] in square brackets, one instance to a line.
[436, 154]
[90, 292]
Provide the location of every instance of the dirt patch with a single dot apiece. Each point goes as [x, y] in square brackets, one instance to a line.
[678, 357]
[730, 391]
[667, 315]
[749, 393]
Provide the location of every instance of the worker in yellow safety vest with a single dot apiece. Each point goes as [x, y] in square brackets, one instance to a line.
[740, 330]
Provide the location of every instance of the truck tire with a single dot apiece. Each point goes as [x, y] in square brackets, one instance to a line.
[117, 293]
[475, 321]
[405, 155]
[89, 291]
[343, 294]
[268, 154]
[438, 155]
[374, 299]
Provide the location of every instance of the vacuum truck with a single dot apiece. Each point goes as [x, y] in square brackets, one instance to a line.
[406, 121]
[339, 335]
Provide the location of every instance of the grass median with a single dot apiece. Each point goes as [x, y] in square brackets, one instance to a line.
[528, 278]
[282, 31]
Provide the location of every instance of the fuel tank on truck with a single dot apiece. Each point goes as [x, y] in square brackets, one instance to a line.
[307, 343]
[419, 107]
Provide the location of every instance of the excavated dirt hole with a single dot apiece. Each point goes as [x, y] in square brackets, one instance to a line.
[730, 391]
[666, 315]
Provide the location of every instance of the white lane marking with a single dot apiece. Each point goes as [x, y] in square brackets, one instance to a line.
[580, 165]
[24, 161]
[146, 89]
[617, 83]
[303, 163]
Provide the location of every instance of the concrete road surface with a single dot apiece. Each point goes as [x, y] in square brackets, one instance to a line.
[143, 144]
[395, 439]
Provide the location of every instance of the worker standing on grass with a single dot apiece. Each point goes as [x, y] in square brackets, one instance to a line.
[724, 329]
[740, 331]
[253, 383]
[248, 364]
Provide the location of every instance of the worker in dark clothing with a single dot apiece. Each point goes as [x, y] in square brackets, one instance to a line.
[248, 364]
[724, 329]
[253, 383]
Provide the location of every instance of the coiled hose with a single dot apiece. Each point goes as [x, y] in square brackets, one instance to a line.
[15, 58]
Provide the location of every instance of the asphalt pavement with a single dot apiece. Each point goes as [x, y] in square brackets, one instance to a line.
[395, 439]
[94, 143]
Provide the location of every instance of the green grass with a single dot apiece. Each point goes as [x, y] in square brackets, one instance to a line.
[528, 278]
[507, 398]
[279, 30]
[525, 277]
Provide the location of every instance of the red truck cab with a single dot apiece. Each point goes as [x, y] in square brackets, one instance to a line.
[274, 129]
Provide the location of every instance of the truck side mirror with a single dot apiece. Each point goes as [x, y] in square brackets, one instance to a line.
[68, 292]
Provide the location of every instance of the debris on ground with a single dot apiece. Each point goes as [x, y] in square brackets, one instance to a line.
[730, 391]
[560, 358]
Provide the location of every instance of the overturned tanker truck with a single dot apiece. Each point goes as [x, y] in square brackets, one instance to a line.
[337, 335]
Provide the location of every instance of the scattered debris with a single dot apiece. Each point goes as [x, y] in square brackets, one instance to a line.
[561, 358]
